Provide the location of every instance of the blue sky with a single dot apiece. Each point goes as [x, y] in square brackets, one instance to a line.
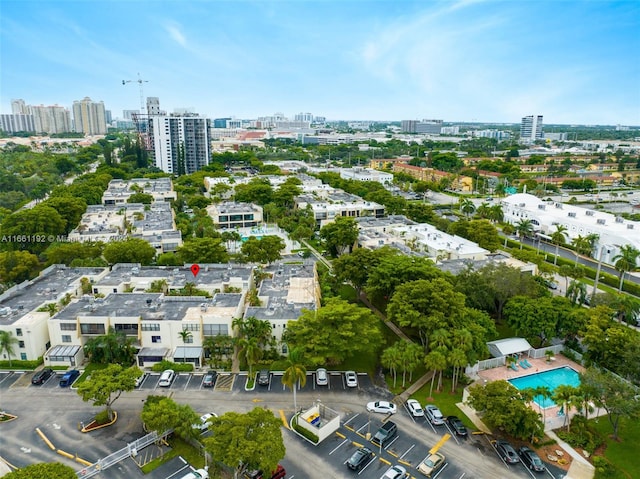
[493, 61]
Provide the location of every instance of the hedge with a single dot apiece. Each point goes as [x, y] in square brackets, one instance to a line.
[20, 364]
[177, 367]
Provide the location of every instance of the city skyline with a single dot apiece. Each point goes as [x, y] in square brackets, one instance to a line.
[487, 61]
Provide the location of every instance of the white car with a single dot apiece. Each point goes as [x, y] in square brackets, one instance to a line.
[351, 378]
[321, 377]
[414, 408]
[166, 378]
[204, 421]
[394, 472]
[384, 407]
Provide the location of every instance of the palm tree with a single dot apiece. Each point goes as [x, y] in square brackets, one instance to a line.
[558, 237]
[566, 395]
[545, 392]
[483, 211]
[295, 374]
[186, 336]
[435, 361]
[524, 227]
[581, 246]
[592, 239]
[7, 340]
[496, 214]
[251, 351]
[467, 207]
[391, 360]
[626, 260]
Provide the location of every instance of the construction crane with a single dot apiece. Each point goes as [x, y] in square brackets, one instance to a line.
[140, 82]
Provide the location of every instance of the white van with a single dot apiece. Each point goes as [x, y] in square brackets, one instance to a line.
[167, 378]
[199, 474]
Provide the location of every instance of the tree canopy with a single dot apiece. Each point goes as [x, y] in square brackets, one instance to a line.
[43, 471]
[340, 235]
[161, 413]
[105, 386]
[130, 250]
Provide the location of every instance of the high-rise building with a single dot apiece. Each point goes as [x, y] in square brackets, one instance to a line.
[180, 143]
[304, 117]
[531, 128]
[89, 117]
[432, 127]
[128, 114]
[50, 119]
[153, 106]
[18, 107]
[15, 122]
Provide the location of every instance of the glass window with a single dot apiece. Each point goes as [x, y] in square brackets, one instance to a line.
[68, 326]
[92, 328]
[18, 331]
[66, 338]
[150, 326]
[191, 327]
[21, 344]
[216, 330]
[23, 356]
[156, 339]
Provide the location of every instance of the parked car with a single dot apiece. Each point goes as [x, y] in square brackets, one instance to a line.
[506, 452]
[434, 415]
[394, 472]
[351, 378]
[279, 473]
[321, 377]
[550, 284]
[456, 426]
[530, 459]
[263, 377]
[198, 474]
[203, 425]
[139, 379]
[166, 378]
[210, 379]
[360, 458]
[414, 408]
[431, 464]
[69, 377]
[384, 407]
[385, 434]
[41, 376]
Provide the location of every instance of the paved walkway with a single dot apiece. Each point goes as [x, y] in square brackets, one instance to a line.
[580, 468]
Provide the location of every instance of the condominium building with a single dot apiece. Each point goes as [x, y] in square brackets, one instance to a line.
[38, 118]
[19, 107]
[433, 127]
[531, 128]
[180, 143]
[12, 123]
[89, 117]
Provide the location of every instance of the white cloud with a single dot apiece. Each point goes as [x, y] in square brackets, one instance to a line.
[177, 35]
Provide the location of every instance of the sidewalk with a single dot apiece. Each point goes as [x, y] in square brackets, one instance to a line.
[580, 468]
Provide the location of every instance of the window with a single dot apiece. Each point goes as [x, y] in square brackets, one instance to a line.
[150, 326]
[126, 328]
[216, 330]
[18, 331]
[191, 327]
[68, 326]
[21, 344]
[66, 338]
[92, 328]
[23, 356]
[188, 340]
[156, 339]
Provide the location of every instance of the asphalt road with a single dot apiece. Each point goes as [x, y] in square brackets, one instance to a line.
[59, 413]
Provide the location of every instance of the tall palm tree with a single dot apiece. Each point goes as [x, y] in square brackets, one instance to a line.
[251, 351]
[467, 207]
[567, 396]
[581, 246]
[7, 340]
[483, 211]
[186, 336]
[524, 227]
[625, 261]
[496, 213]
[391, 360]
[435, 361]
[592, 239]
[295, 374]
[558, 237]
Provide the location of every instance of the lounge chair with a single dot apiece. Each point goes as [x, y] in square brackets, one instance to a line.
[513, 366]
[527, 363]
[523, 364]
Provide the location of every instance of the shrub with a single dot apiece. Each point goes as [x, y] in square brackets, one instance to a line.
[20, 364]
[102, 417]
[581, 434]
[177, 367]
[306, 433]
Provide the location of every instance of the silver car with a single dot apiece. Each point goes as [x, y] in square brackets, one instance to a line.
[434, 415]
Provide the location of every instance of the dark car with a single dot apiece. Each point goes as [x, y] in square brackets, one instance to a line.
[360, 458]
[506, 452]
[69, 377]
[385, 434]
[41, 376]
[456, 426]
[530, 459]
[263, 377]
[209, 379]
[279, 473]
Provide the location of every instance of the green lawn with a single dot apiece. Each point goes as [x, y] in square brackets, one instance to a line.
[178, 448]
[622, 453]
[87, 372]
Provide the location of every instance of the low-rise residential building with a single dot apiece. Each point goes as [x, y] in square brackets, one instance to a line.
[230, 215]
[329, 204]
[119, 191]
[457, 182]
[366, 174]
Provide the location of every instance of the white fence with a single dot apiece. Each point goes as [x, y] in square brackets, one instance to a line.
[542, 352]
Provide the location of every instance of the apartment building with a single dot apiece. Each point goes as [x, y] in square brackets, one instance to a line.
[119, 191]
[329, 204]
[89, 117]
[231, 215]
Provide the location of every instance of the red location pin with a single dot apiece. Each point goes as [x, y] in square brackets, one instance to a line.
[195, 269]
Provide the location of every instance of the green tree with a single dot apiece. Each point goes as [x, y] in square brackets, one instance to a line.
[335, 332]
[391, 360]
[216, 348]
[113, 347]
[131, 250]
[565, 395]
[43, 471]
[203, 250]
[105, 386]
[17, 266]
[250, 351]
[467, 207]
[258, 191]
[437, 362]
[41, 221]
[67, 253]
[524, 227]
[295, 374]
[187, 337]
[7, 341]
[558, 237]
[264, 250]
[505, 407]
[625, 261]
[69, 208]
[340, 235]
[246, 441]
[355, 267]
[144, 198]
[162, 413]
[536, 317]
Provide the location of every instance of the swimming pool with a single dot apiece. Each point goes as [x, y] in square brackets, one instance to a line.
[552, 379]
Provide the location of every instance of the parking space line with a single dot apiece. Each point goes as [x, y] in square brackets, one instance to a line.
[407, 451]
[440, 471]
[455, 436]
[365, 425]
[368, 464]
[187, 383]
[350, 419]
[339, 446]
